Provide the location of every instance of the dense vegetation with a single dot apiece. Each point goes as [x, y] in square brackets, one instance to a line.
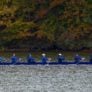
[46, 24]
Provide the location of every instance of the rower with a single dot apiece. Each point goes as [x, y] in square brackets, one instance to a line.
[60, 58]
[44, 59]
[77, 58]
[14, 58]
[30, 59]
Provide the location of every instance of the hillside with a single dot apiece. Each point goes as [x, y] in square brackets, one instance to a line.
[46, 24]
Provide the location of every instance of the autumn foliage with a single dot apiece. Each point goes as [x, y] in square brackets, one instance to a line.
[46, 24]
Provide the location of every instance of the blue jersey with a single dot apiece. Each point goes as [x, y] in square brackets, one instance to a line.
[44, 59]
[30, 59]
[14, 59]
[60, 58]
[77, 58]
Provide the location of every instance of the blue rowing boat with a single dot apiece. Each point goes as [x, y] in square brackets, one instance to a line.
[40, 63]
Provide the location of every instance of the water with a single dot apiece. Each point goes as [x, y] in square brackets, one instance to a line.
[56, 78]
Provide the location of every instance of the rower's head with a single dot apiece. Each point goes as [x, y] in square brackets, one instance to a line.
[30, 55]
[43, 54]
[60, 54]
[14, 54]
[77, 54]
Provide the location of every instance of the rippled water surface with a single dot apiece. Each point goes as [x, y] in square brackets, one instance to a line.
[55, 78]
